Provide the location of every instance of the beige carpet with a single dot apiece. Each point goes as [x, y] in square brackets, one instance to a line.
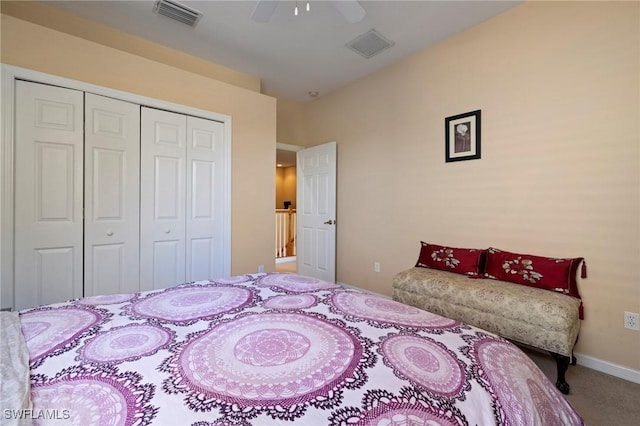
[600, 399]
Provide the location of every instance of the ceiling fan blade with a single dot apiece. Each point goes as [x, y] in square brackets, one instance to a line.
[264, 10]
[351, 10]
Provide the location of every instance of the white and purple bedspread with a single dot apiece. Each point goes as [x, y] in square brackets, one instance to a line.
[276, 349]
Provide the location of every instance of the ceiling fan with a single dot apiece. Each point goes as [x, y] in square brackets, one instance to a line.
[350, 9]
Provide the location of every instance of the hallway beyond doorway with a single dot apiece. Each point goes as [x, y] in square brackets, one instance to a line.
[290, 266]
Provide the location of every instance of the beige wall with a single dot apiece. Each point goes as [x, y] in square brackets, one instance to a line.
[558, 86]
[559, 92]
[51, 17]
[292, 122]
[35, 47]
[285, 186]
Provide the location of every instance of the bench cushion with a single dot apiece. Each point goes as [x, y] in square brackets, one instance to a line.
[451, 259]
[536, 317]
[535, 271]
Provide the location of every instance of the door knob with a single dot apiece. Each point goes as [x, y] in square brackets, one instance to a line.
[167, 231]
[330, 222]
[109, 233]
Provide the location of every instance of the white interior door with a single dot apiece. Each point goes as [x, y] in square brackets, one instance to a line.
[316, 207]
[112, 190]
[205, 228]
[162, 199]
[48, 187]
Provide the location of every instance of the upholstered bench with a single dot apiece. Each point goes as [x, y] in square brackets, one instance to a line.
[536, 317]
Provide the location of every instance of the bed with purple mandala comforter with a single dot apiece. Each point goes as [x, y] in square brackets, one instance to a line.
[276, 349]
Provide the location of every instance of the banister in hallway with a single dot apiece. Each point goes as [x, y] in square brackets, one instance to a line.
[285, 232]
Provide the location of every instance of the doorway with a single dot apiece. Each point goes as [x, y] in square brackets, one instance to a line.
[285, 205]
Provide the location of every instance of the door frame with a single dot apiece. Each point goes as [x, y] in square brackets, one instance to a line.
[12, 73]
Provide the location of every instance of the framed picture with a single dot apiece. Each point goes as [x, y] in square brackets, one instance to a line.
[462, 136]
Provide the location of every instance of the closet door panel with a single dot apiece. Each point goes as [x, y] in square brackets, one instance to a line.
[162, 199]
[168, 191]
[55, 273]
[48, 200]
[112, 189]
[204, 225]
[169, 263]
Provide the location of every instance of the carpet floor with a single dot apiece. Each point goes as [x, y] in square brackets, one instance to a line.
[599, 398]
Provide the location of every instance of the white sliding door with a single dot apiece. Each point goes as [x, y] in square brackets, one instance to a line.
[112, 190]
[48, 188]
[205, 227]
[162, 199]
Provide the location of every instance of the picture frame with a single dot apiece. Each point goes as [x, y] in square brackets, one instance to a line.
[462, 136]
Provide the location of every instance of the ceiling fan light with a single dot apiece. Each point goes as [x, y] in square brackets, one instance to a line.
[295, 11]
[308, 7]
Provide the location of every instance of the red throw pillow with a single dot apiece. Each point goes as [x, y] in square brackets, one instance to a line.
[459, 260]
[535, 271]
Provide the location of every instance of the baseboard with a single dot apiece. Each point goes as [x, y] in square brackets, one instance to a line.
[606, 367]
[286, 259]
[609, 368]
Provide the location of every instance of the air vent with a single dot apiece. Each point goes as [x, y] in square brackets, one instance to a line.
[369, 44]
[177, 12]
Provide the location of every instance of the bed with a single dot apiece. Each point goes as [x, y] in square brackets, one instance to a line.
[274, 349]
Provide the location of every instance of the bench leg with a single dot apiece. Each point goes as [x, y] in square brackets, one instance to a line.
[563, 364]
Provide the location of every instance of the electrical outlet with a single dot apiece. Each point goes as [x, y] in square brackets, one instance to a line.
[632, 321]
[376, 266]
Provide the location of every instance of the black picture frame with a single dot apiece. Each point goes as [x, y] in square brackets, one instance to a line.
[462, 136]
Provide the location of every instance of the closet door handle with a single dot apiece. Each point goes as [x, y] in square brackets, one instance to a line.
[109, 233]
[167, 231]
[330, 222]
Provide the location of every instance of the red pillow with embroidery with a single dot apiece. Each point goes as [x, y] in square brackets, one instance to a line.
[459, 260]
[535, 271]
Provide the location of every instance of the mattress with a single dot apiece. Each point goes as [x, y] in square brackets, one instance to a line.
[273, 349]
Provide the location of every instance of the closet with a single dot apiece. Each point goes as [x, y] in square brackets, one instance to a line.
[112, 196]
[179, 212]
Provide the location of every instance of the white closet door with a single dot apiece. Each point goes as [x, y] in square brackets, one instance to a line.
[48, 200]
[204, 210]
[112, 189]
[162, 199]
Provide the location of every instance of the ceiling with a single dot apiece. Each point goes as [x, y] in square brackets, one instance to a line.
[293, 55]
[285, 158]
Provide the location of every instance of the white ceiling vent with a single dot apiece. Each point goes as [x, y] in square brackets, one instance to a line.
[178, 12]
[369, 44]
